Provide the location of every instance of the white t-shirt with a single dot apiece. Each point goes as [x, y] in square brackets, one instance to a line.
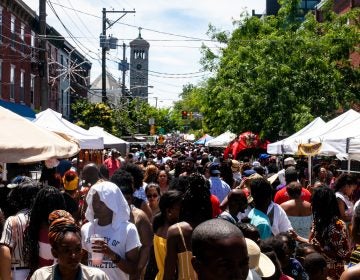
[120, 241]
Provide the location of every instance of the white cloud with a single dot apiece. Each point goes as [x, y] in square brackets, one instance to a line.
[182, 17]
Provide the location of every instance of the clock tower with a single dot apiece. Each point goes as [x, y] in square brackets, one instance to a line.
[139, 66]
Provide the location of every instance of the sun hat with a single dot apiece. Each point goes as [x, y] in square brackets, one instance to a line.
[258, 261]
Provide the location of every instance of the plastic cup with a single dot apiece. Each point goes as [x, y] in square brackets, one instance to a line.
[96, 257]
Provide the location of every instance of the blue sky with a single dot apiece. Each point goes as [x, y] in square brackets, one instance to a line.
[172, 57]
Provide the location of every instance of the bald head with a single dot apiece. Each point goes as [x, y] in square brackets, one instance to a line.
[90, 174]
[215, 240]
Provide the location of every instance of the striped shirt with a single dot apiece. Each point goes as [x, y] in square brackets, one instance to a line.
[12, 236]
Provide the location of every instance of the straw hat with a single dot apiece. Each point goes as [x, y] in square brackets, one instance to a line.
[258, 261]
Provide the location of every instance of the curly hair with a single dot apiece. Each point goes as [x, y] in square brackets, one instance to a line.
[151, 174]
[196, 205]
[47, 200]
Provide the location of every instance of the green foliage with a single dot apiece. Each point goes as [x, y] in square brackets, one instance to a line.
[88, 114]
[277, 74]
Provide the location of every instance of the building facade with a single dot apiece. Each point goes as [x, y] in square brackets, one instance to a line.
[20, 69]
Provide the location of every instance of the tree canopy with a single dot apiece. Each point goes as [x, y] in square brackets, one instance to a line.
[278, 73]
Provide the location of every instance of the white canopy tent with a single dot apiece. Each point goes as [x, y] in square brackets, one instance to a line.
[290, 144]
[110, 141]
[54, 121]
[21, 141]
[340, 136]
[222, 140]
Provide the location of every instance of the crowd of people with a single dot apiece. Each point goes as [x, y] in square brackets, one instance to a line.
[182, 212]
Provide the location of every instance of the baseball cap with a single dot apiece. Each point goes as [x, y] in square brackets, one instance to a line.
[214, 168]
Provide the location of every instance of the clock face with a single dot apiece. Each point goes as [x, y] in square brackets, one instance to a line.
[139, 66]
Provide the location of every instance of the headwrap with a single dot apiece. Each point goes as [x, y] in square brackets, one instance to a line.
[61, 222]
[111, 195]
[70, 180]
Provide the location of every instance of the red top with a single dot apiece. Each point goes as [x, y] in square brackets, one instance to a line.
[215, 203]
[283, 196]
[112, 165]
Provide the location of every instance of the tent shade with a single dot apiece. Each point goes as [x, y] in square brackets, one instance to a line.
[340, 136]
[222, 140]
[203, 140]
[290, 144]
[22, 141]
[19, 109]
[54, 121]
[110, 141]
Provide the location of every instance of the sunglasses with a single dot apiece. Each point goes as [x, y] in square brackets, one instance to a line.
[152, 195]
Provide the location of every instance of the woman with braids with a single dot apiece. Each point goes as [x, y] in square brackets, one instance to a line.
[37, 250]
[195, 209]
[65, 240]
[329, 233]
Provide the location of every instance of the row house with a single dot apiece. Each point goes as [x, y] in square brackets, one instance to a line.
[20, 68]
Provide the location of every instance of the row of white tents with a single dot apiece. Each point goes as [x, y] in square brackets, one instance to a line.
[338, 137]
[49, 135]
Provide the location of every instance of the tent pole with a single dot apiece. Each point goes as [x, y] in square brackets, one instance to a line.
[4, 172]
[309, 170]
[349, 164]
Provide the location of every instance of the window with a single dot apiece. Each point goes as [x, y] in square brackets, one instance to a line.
[22, 37]
[22, 32]
[32, 88]
[12, 24]
[12, 29]
[32, 42]
[12, 81]
[22, 90]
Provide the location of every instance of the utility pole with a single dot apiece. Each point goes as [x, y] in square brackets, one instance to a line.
[103, 58]
[124, 71]
[43, 65]
[107, 44]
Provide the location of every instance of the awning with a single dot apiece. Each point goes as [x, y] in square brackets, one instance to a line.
[19, 109]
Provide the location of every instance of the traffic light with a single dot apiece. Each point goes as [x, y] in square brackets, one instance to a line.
[184, 114]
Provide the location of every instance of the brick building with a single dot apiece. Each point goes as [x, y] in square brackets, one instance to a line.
[19, 64]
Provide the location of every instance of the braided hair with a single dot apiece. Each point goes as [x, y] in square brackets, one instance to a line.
[47, 200]
[61, 222]
[325, 209]
[196, 205]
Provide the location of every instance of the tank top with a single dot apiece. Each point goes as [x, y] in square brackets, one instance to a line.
[185, 269]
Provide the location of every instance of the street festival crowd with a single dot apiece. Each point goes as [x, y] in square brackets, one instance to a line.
[179, 211]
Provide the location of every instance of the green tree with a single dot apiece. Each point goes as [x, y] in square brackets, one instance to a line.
[277, 73]
[86, 114]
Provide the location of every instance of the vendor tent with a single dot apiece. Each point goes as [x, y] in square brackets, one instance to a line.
[222, 140]
[21, 141]
[54, 121]
[290, 144]
[110, 141]
[339, 136]
[246, 142]
[203, 140]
